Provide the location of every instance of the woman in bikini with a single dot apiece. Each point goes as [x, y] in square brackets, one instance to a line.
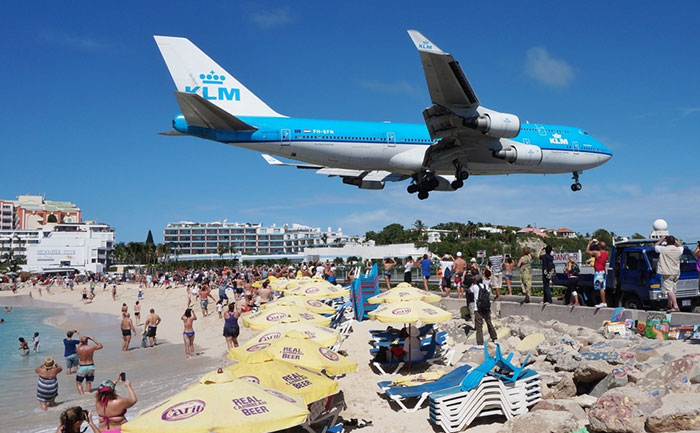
[111, 408]
[188, 335]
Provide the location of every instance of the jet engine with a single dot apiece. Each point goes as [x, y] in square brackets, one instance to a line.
[520, 154]
[363, 184]
[495, 124]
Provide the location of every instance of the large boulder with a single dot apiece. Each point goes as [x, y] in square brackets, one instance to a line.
[530, 342]
[592, 371]
[563, 405]
[565, 388]
[671, 376]
[542, 421]
[585, 400]
[679, 412]
[622, 410]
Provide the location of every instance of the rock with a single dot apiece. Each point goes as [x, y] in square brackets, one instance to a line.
[503, 333]
[567, 362]
[541, 421]
[616, 379]
[513, 341]
[562, 405]
[595, 338]
[529, 328]
[622, 410]
[679, 412]
[530, 342]
[550, 377]
[643, 354]
[585, 400]
[591, 371]
[667, 377]
[565, 388]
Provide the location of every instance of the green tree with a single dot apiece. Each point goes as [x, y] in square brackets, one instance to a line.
[603, 236]
[149, 239]
[638, 236]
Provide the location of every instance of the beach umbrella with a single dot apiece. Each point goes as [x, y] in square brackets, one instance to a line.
[310, 304]
[409, 312]
[298, 351]
[280, 284]
[268, 317]
[286, 377]
[322, 335]
[222, 405]
[402, 294]
[318, 290]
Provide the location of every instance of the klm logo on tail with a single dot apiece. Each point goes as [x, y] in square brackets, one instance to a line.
[211, 93]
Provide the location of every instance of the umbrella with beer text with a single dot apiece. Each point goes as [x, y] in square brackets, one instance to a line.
[318, 290]
[310, 304]
[268, 317]
[322, 335]
[222, 405]
[402, 294]
[298, 351]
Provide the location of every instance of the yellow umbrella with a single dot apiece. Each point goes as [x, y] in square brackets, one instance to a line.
[286, 377]
[264, 319]
[410, 312]
[312, 305]
[319, 334]
[402, 294]
[297, 351]
[279, 284]
[318, 290]
[227, 406]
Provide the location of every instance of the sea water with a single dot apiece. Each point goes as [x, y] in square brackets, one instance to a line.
[154, 373]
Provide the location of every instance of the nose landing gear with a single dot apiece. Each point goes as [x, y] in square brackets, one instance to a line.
[576, 186]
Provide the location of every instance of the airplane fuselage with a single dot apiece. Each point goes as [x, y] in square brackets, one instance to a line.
[400, 147]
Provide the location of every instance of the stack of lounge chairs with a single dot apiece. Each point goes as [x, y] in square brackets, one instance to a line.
[496, 387]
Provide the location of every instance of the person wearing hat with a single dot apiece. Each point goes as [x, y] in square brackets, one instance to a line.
[47, 385]
[111, 409]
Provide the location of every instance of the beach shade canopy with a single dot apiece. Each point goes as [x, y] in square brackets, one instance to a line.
[268, 317]
[297, 351]
[286, 377]
[403, 294]
[318, 289]
[258, 284]
[222, 406]
[410, 312]
[321, 335]
[310, 304]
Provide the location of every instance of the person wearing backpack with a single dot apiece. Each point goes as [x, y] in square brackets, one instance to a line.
[482, 310]
[572, 271]
[446, 264]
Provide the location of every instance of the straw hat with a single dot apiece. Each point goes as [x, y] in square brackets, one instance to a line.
[49, 363]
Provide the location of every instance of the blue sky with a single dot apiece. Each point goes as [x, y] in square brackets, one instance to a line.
[85, 91]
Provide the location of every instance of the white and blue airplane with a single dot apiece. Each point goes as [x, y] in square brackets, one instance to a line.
[460, 137]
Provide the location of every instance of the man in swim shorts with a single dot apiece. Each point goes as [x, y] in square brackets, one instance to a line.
[126, 327]
[150, 326]
[86, 368]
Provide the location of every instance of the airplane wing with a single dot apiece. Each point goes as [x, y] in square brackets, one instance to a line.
[366, 179]
[200, 112]
[447, 83]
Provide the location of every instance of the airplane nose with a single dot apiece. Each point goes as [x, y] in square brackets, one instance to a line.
[604, 157]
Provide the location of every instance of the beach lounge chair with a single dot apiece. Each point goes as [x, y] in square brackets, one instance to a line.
[323, 414]
[339, 315]
[401, 394]
[453, 409]
[429, 357]
[441, 339]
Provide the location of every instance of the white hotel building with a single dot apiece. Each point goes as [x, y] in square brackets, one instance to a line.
[191, 238]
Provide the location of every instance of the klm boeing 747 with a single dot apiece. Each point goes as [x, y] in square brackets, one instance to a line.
[460, 137]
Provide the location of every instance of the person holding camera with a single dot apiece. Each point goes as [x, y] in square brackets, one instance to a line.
[47, 385]
[548, 272]
[111, 409]
[73, 418]
[597, 251]
[669, 267]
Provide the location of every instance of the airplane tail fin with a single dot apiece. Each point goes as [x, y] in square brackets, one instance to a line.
[195, 72]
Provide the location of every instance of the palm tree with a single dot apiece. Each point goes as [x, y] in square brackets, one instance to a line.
[420, 229]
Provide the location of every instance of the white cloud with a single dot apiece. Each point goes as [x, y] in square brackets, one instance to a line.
[547, 70]
[687, 111]
[268, 19]
[73, 41]
[398, 87]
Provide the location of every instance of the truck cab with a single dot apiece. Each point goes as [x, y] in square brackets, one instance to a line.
[632, 277]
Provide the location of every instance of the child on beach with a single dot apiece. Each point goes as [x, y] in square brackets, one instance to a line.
[220, 307]
[23, 346]
[35, 342]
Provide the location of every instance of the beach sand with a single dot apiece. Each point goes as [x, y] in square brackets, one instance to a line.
[162, 371]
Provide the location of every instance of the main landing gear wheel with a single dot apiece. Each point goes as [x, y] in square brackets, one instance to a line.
[457, 184]
[463, 175]
[576, 186]
[412, 188]
[422, 195]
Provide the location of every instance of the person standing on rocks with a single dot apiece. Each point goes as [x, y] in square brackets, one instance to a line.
[496, 266]
[548, 270]
[669, 267]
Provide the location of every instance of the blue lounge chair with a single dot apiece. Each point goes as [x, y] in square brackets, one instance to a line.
[429, 351]
[384, 335]
[400, 393]
[339, 315]
[441, 339]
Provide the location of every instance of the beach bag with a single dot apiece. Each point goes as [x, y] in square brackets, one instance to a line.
[448, 273]
[144, 340]
[483, 301]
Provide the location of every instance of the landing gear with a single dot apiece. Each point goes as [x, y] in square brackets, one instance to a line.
[422, 184]
[423, 194]
[413, 188]
[576, 186]
[460, 175]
